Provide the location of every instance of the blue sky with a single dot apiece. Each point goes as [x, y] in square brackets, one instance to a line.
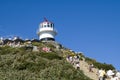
[88, 26]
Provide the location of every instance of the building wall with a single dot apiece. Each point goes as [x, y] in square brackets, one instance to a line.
[46, 35]
[43, 29]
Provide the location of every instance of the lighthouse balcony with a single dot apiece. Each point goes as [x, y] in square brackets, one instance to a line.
[39, 31]
[42, 29]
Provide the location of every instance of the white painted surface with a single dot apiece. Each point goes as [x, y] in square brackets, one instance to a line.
[46, 30]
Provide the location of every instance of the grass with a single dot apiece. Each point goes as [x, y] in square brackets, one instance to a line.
[99, 65]
[22, 64]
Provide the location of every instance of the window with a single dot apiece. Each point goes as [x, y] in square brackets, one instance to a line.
[44, 25]
[48, 25]
[51, 25]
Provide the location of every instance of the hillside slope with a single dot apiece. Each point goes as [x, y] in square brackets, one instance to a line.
[24, 64]
[48, 62]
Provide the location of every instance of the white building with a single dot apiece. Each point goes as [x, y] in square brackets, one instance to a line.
[46, 31]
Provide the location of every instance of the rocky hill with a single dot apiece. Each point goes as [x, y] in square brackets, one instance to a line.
[44, 61]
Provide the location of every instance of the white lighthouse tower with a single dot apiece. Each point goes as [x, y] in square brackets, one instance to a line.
[46, 31]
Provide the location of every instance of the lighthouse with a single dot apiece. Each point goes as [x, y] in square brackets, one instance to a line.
[46, 31]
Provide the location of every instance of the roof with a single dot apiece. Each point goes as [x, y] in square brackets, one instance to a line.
[45, 20]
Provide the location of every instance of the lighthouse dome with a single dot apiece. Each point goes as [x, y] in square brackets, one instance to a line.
[46, 24]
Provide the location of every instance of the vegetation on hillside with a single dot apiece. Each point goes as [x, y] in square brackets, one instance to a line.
[99, 65]
[23, 64]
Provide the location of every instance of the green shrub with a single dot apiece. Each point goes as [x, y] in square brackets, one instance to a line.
[99, 65]
[20, 64]
[50, 56]
[5, 50]
[36, 43]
